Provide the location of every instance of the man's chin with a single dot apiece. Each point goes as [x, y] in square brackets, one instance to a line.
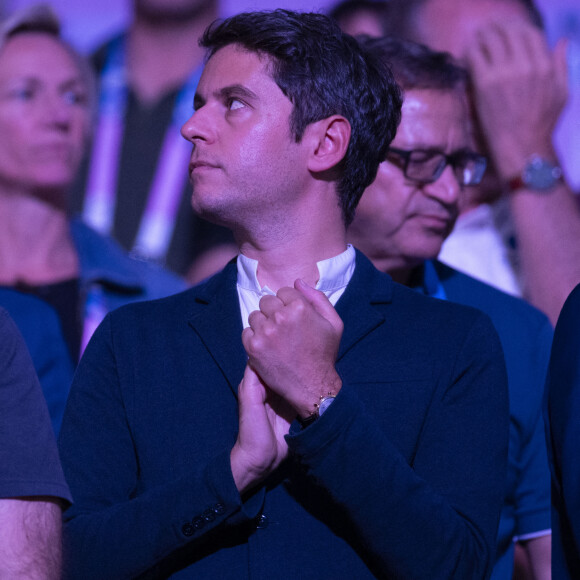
[429, 250]
[214, 213]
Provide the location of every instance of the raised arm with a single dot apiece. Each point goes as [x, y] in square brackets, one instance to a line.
[519, 91]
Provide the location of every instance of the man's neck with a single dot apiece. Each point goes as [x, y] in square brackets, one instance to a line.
[282, 264]
[288, 240]
[162, 54]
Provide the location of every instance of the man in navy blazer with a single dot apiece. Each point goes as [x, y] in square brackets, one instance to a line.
[299, 415]
[562, 411]
[401, 222]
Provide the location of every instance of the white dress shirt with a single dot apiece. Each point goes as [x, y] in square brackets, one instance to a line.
[482, 244]
[334, 274]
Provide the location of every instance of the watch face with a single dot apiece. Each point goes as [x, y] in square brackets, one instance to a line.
[541, 174]
[324, 404]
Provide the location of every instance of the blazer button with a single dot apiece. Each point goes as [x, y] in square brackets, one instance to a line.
[198, 523]
[208, 515]
[218, 508]
[187, 530]
[262, 522]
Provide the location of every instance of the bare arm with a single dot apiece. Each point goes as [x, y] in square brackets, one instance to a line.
[520, 89]
[30, 538]
[535, 558]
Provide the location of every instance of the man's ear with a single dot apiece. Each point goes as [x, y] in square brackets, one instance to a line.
[329, 138]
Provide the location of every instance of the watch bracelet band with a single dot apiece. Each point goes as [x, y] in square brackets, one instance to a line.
[516, 183]
[520, 182]
[317, 410]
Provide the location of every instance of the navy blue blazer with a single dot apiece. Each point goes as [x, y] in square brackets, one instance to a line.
[526, 337]
[402, 477]
[562, 413]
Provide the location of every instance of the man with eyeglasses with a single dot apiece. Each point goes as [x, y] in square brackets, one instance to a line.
[403, 218]
[520, 229]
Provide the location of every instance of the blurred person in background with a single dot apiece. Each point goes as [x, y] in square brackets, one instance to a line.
[520, 229]
[45, 112]
[40, 327]
[133, 184]
[362, 16]
[33, 490]
[563, 434]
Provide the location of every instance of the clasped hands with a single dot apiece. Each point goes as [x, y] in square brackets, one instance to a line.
[292, 343]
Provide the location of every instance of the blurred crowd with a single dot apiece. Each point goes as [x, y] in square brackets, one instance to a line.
[474, 204]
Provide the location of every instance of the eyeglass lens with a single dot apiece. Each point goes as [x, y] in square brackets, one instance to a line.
[427, 166]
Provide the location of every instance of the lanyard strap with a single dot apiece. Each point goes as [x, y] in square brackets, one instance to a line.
[158, 221]
[432, 286]
[95, 309]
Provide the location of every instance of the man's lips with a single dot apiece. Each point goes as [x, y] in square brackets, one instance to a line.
[201, 166]
[435, 221]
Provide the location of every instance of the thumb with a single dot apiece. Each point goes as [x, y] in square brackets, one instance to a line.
[320, 303]
[251, 390]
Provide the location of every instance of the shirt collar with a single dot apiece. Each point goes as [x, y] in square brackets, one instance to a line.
[334, 273]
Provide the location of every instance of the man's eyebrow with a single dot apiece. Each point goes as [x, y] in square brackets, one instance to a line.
[235, 90]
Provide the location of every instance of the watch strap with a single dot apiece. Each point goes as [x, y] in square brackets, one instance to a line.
[319, 408]
[538, 174]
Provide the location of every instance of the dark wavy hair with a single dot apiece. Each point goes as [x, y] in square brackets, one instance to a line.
[415, 66]
[323, 72]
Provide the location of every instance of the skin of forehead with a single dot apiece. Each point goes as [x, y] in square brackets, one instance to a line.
[451, 24]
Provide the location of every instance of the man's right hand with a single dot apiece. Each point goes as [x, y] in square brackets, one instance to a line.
[264, 419]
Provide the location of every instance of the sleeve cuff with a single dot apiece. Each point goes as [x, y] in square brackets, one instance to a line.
[307, 441]
[220, 477]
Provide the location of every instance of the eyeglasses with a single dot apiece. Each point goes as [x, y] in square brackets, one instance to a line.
[426, 166]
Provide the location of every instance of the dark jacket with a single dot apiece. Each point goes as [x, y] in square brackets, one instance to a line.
[401, 478]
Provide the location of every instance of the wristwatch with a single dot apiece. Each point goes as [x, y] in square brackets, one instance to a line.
[320, 407]
[325, 402]
[539, 174]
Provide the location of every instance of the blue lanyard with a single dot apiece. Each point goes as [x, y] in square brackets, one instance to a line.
[431, 284]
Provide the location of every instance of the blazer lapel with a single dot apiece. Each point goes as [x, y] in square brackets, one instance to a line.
[217, 319]
[367, 287]
[218, 323]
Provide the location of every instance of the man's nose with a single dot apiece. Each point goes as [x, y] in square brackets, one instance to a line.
[199, 126]
[446, 189]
